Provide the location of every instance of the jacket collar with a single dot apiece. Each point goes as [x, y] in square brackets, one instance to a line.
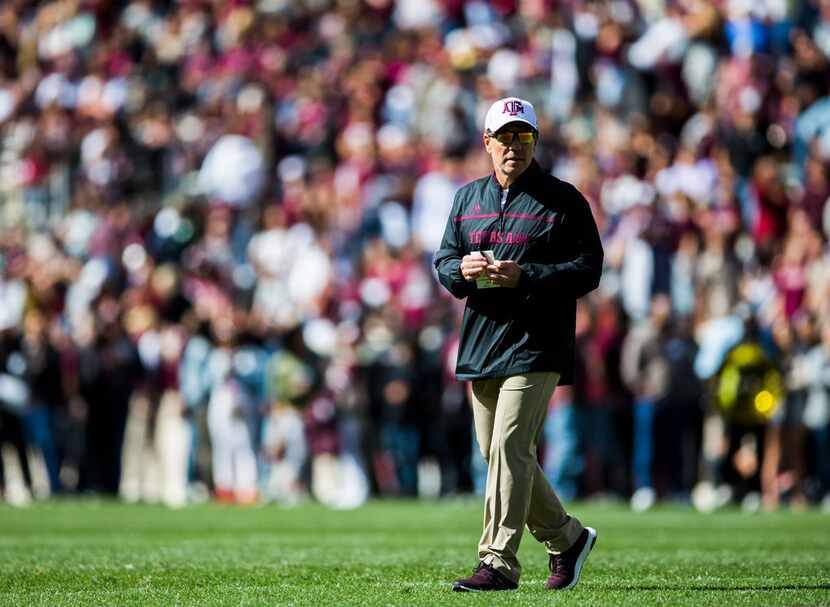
[523, 182]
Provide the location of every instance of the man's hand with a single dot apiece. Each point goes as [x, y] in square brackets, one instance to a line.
[505, 273]
[472, 266]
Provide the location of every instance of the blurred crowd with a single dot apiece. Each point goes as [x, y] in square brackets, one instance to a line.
[217, 220]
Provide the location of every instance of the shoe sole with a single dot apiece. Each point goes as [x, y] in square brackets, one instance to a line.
[462, 588]
[580, 561]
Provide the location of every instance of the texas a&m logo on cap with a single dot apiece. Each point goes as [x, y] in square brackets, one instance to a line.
[509, 109]
[513, 107]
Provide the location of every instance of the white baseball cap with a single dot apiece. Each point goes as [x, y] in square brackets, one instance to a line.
[507, 110]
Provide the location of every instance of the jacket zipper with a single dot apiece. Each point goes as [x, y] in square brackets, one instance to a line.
[502, 205]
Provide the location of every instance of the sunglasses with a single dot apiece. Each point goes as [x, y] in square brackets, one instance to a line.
[507, 137]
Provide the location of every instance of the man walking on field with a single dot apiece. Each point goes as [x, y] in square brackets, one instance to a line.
[522, 247]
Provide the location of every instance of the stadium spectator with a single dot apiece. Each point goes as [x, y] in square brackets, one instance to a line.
[814, 373]
[678, 419]
[43, 417]
[645, 369]
[228, 410]
[749, 389]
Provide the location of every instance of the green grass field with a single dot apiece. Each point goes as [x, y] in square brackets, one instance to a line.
[394, 553]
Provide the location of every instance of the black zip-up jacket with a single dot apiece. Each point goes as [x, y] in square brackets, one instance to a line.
[547, 228]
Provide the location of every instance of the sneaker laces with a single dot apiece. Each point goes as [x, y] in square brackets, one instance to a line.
[489, 571]
[557, 565]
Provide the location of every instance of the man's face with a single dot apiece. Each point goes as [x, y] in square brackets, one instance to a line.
[510, 156]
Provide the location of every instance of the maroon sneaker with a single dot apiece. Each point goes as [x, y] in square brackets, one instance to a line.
[484, 578]
[566, 567]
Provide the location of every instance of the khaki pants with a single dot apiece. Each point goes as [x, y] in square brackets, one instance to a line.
[509, 413]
